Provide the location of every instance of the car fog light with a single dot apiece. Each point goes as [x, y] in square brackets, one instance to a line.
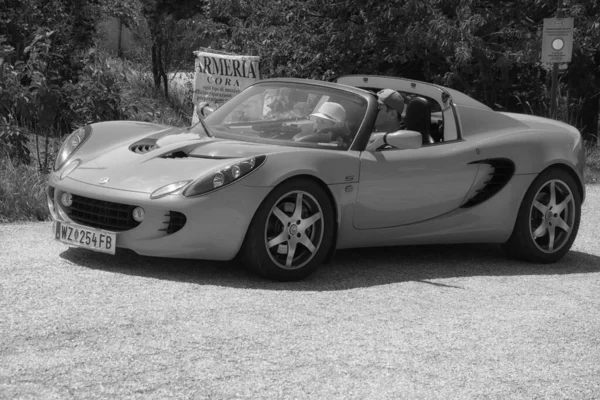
[138, 214]
[218, 180]
[236, 171]
[66, 199]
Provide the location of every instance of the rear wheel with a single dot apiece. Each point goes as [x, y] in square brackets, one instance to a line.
[291, 232]
[548, 219]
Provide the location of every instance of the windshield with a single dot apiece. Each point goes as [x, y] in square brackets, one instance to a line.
[290, 113]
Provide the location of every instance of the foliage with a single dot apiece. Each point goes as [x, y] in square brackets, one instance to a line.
[97, 94]
[13, 142]
[50, 83]
[127, 11]
[34, 98]
[26, 97]
[72, 23]
[176, 30]
[490, 50]
[592, 167]
[497, 58]
[147, 103]
[22, 193]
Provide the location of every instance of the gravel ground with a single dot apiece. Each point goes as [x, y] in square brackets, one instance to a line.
[413, 322]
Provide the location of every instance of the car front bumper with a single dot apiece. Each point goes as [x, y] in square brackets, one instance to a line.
[215, 223]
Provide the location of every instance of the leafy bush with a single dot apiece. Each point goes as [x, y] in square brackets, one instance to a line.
[13, 143]
[35, 99]
[145, 102]
[97, 94]
[592, 164]
[22, 193]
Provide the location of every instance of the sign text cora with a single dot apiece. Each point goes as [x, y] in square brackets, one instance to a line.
[219, 77]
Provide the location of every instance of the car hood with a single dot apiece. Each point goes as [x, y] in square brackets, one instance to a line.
[151, 163]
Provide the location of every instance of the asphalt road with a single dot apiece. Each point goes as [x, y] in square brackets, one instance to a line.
[413, 322]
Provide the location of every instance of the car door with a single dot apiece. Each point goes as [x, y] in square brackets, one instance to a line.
[400, 187]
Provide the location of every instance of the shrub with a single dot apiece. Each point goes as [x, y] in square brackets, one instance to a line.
[13, 142]
[34, 95]
[22, 193]
[97, 94]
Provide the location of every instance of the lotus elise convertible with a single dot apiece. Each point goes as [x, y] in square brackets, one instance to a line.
[289, 170]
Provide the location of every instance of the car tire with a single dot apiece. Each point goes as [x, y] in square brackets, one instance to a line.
[548, 219]
[291, 232]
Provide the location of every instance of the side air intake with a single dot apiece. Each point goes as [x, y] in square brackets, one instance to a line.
[175, 154]
[175, 222]
[500, 174]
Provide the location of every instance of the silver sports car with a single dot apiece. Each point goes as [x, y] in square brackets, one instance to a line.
[289, 170]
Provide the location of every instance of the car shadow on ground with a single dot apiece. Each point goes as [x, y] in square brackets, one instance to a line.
[350, 269]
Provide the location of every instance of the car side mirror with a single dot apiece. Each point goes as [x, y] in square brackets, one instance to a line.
[400, 140]
[203, 110]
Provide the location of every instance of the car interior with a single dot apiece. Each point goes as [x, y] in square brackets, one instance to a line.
[423, 115]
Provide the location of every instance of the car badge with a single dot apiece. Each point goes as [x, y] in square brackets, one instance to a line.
[103, 180]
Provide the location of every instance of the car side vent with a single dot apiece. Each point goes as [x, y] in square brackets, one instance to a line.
[143, 146]
[175, 154]
[500, 174]
[175, 222]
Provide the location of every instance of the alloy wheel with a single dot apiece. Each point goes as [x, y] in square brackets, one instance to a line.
[552, 216]
[294, 230]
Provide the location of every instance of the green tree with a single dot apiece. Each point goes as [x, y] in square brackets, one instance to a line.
[487, 49]
[44, 48]
[177, 28]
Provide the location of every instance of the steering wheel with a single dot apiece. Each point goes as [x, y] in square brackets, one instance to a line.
[277, 130]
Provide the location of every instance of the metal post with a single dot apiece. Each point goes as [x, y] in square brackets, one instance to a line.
[554, 95]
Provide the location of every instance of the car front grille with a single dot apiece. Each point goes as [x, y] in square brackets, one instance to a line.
[102, 214]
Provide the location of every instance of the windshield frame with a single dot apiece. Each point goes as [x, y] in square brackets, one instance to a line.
[347, 92]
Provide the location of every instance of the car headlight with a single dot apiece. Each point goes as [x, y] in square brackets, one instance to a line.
[70, 146]
[224, 176]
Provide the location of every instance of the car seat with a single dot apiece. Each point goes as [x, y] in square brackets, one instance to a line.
[418, 118]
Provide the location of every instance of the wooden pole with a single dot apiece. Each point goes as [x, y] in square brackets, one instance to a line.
[554, 94]
[120, 42]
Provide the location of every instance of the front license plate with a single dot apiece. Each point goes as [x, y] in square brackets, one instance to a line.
[89, 238]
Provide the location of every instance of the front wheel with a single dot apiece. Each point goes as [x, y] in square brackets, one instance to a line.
[548, 219]
[291, 232]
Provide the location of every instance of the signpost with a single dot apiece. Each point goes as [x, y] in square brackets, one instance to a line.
[557, 48]
[557, 45]
[220, 76]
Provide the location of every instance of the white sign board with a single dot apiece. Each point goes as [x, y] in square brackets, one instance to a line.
[219, 77]
[557, 42]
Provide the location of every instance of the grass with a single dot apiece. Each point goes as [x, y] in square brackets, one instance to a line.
[22, 193]
[592, 164]
[146, 103]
